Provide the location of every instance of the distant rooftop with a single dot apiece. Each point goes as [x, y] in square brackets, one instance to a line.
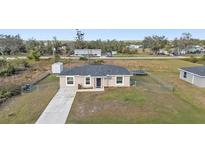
[96, 70]
[199, 70]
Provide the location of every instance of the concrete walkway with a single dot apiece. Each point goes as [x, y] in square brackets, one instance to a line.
[59, 107]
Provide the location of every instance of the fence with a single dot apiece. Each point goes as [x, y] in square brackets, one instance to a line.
[162, 83]
[14, 90]
[40, 78]
[151, 83]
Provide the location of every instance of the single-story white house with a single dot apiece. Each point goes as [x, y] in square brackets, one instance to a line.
[95, 76]
[193, 75]
[88, 52]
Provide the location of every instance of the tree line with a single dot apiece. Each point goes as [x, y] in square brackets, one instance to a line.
[155, 43]
[14, 45]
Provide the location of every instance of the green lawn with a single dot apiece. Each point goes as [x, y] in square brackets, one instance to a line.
[27, 107]
[148, 102]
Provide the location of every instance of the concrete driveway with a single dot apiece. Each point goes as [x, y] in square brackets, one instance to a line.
[58, 109]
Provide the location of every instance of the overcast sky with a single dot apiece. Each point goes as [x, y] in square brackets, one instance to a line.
[104, 34]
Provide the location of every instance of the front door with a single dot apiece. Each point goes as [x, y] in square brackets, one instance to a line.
[98, 82]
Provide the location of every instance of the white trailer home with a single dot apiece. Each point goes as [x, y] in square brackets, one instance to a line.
[88, 52]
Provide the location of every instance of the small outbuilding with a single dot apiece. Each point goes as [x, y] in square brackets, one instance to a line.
[193, 75]
[57, 68]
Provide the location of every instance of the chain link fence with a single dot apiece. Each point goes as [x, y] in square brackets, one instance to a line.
[151, 83]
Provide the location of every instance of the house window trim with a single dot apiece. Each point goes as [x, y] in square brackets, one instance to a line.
[67, 80]
[119, 84]
[87, 85]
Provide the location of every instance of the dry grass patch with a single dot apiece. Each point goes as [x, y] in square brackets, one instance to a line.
[149, 102]
[27, 107]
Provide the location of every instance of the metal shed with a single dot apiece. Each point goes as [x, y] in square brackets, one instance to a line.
[57, 68]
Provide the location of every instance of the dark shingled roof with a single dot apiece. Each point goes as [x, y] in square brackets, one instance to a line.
[96, 70]
[199, 70]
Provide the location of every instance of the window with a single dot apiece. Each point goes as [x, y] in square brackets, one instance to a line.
[70, 80]
[87, 81]
[185, 74]
[119, 80]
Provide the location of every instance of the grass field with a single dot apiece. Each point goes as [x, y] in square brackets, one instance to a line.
[148, 102]
[27, 107]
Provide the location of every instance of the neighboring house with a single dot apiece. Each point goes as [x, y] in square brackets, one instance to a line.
[111, 53]
[133, 46]
[195, 49]
[193, 75]
[177, 52]
[163, 52]
[114, 52]
[88, 52]
[95, 77]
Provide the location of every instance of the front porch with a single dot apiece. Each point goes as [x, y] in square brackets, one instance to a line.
[90, 90]
[97, 84]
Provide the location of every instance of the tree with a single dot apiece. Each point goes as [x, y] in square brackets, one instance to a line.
[184, 41]
[11, 44]
[155, 42]
[56, 46]
[79, 42]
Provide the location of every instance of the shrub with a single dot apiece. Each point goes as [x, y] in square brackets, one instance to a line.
[203, 58]
[4, 93]
[34, 55]
[10, 69]
[10, 91]
[193, 59]
[16, 90]
[99, 61]
[2, 100]
[25, 64]
[83, 58]
[2, 62]
[56, 58]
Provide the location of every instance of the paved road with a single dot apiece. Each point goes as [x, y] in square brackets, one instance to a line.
[110, 58]
[59, 107]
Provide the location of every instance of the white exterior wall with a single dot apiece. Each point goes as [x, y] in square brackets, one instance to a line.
[193, 79]
[112, 81]
[105, 82]
[199, 81]
[57, 68]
